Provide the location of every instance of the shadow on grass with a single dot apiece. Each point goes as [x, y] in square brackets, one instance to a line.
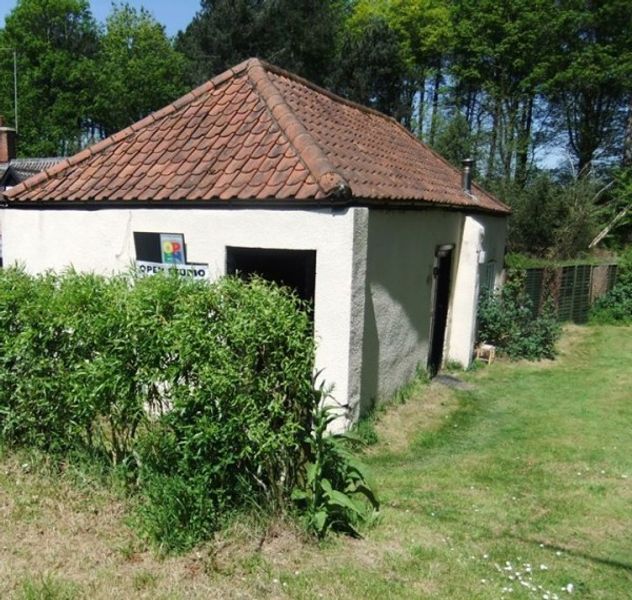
[487, 531]
[617, 564]
[453, 431]
[457, 423]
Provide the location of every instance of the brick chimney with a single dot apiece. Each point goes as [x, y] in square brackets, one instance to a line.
[7, 142]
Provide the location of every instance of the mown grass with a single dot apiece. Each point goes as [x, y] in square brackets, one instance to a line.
[532, 466]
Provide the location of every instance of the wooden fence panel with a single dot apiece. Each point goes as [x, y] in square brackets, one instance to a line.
[574, 289]
[534, 287]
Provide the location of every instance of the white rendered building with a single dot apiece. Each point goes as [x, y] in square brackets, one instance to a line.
[261, 171]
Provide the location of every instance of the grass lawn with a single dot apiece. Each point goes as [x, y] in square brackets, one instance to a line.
[520, 487]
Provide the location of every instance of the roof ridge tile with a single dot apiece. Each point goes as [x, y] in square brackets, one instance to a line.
[327, 177]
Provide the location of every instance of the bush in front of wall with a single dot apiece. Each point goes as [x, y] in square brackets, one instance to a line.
[615, 307]
[81, 356]
[506, 320]
[67, 368]
[241, 396]
[201, 393]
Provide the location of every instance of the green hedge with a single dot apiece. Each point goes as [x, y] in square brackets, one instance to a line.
[202, 392]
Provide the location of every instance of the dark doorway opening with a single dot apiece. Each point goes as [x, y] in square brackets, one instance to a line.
[442, 276]
[295, 269]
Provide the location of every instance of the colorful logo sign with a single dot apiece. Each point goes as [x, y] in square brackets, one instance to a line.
[172, 248]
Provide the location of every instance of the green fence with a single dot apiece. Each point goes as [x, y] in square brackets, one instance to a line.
[573, 289]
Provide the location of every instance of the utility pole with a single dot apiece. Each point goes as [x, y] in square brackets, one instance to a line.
[15, 87]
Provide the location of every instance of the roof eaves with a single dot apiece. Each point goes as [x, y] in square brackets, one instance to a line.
[329, 180]
[272, 203]
[502, 207]
[417, 204]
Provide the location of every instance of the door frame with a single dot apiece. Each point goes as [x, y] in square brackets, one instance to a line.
[442, 251]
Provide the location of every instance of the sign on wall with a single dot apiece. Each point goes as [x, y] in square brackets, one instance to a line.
[197, 271]
[172, 248]
[160, 252]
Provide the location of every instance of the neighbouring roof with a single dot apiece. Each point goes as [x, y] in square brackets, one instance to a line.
[259, 134]
[18, 170]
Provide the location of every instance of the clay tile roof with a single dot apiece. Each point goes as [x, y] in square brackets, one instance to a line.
[257, 133]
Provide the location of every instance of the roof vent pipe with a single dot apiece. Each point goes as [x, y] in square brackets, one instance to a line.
[468, 166]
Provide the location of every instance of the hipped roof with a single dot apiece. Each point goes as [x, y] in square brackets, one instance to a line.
[257, 135]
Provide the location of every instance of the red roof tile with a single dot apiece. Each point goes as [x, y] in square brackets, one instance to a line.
[257, 133]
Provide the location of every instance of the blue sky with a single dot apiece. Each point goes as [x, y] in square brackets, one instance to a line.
[173, 14]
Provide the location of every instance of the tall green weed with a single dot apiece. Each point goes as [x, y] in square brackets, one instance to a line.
[334, 493]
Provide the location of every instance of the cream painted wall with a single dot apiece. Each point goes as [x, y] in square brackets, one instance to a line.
[374, 274]
[482, 247]
[395, 307]
[102, 241]
[494, 245]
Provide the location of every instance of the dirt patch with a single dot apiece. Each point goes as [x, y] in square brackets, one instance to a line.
[572, 336]
[425, 410]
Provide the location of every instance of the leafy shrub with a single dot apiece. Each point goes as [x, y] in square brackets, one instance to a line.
[203, 392]
[74, 362]
[240, 396]
[506, 320]
[334, 494]
[616, 306]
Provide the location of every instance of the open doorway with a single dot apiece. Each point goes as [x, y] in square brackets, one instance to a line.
[295, 269]
[441, 301]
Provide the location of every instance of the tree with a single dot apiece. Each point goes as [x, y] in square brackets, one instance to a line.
[618, 230]
[138, 69]
[370, 68]
[502, 50]
[424, 31]
[537, 211]
[56, 41]
[221, 35]
[555, 216]
[302, 36]
[298, 36]
[454, 140]
[592, 76]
